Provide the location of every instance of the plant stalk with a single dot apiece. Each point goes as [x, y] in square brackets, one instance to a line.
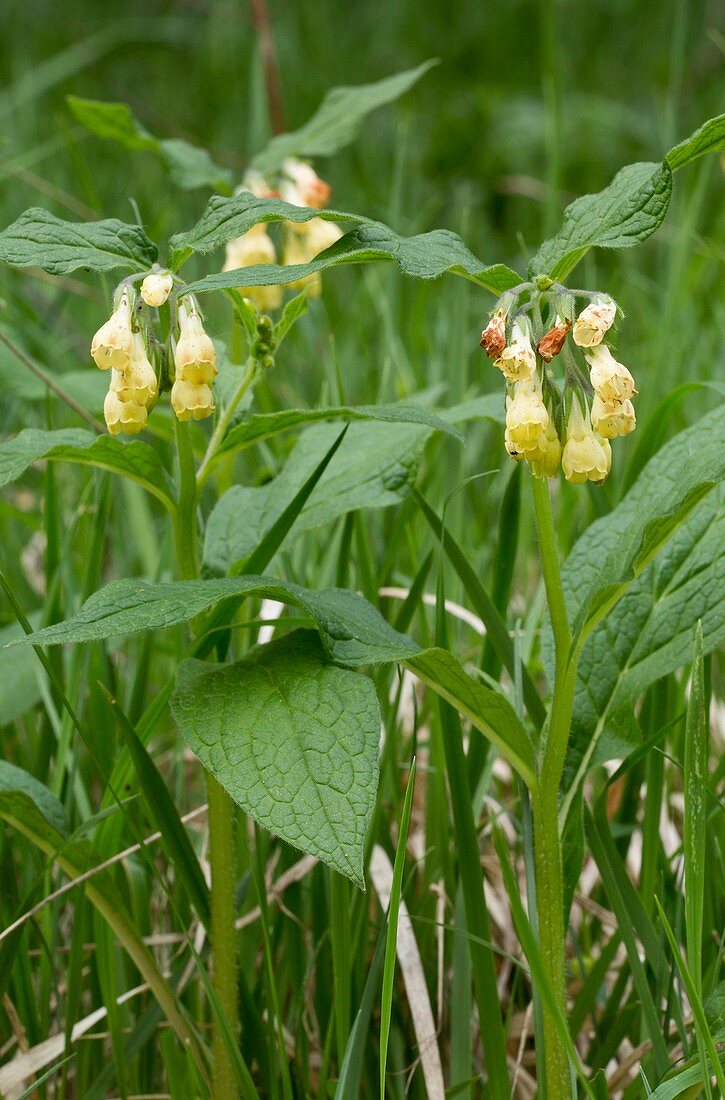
[221, 810]
[545, 800]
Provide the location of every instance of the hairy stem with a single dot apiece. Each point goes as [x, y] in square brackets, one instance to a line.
[547, 842]
[221, 810]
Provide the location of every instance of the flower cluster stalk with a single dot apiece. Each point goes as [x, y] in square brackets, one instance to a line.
[221, 810]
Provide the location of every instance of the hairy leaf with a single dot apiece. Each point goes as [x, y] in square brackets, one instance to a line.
[39, 239]
[135, 460]
[710, 138]
[352, 631]
[188, 165]
[626, 212]
[337, 120]
[293, 739]
[425, 256]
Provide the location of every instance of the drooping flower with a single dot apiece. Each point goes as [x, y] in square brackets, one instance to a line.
[195, 355]
[302, 186]
[587, 456]
[255, 247]
[613, 418]
[553, 341]
[112, 345]
[594, 321]
[611, 380]
[156, 287]
[192, 400]
[123, 417]
[137, 382]
[517, 361]
[547, 456]
[526, 417]
[493, 337]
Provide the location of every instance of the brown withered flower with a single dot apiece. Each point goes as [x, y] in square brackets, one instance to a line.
[493, 337]
[552, 341]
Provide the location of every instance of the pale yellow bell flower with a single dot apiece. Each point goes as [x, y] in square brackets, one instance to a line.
[112, 345]
[255, 247]
[613, 418]
[123, 417]
[517, 361]
[526, 416]
[137, 382]
[546, 458]
[301, 185]
[594, 321]
[587, 456]
[195, 355]
[156, 287]
[191, 400]
[611, 380]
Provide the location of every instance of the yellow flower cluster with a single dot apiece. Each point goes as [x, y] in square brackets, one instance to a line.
[301, 186]
[547, 424]
[122, 346]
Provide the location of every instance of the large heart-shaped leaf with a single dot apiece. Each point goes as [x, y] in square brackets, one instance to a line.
[293, 739]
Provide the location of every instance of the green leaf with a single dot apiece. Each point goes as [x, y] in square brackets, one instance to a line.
[626, 212]
[710, 138]
[19, 676]
[135, 459]
[373, 468]
[352, 631]
[34, 811]
[337, 120]
[648, 634]
[617, 547]
[39, 239]
[294, 309]
[188, 165]
[293, 739]
[488, 710]
[261, 426]
[424, 256]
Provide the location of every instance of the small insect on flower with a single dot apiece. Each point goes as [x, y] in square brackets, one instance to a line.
[112, 346]
[594, 321]
[517, 361]
[155, 288]
[611, 380]
[587, 456]
[195, 355]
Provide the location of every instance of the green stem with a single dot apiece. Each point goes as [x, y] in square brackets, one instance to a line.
[221, 810]
[224, 420]
[545, 800]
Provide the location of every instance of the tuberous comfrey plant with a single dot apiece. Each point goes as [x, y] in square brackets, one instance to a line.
[289, 730]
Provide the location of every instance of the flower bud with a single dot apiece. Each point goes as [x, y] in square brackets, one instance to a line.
[191, 400]
[125, 417]
[156, 288]
[255, 247]
[611, 380]
[546, 458]
[517, 362]
[195, 355]
[586, 455]
[613, 418]
[553, 341]
[137, 383]
[113, 343]
[493, 337]
[594, 320]
[526, 417]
